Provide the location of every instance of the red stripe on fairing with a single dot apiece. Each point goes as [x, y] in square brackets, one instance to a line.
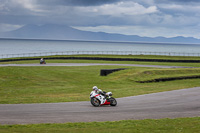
[97, 95]
[106, 103]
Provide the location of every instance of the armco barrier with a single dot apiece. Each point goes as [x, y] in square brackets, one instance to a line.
[105, 72]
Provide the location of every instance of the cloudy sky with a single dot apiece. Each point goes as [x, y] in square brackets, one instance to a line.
[151, 18]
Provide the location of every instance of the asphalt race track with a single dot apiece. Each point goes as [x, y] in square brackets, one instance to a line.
[91, 64]
[170, 104]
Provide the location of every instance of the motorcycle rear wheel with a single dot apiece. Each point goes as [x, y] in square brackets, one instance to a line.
[95, 102]
[113, 101]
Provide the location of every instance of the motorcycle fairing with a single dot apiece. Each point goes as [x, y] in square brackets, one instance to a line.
[101, 98]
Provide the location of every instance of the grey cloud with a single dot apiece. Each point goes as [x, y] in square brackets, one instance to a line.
[177, 1]
[83, 13]
[184, 0]
[77, 2]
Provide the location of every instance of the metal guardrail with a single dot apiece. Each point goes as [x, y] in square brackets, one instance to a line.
[97, 53]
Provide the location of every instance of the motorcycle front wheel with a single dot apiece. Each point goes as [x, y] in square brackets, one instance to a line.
[95, 102]
[113, 101]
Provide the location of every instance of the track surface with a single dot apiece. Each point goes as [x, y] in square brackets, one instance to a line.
[91, 64]
[171, 104]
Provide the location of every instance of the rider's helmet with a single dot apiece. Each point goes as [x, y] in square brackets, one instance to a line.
[95, 88]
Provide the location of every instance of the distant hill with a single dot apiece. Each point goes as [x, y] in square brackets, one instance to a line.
[62, 32]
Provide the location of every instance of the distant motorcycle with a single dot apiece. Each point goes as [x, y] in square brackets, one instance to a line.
[42, 61]
[99, 99]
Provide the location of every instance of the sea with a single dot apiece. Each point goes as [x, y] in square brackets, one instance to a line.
[25, 46]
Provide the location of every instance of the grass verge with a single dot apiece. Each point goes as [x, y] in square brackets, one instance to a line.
[145, 75]
[179, 125]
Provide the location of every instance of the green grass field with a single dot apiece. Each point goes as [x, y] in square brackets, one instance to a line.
[180, 125]
[68, 84]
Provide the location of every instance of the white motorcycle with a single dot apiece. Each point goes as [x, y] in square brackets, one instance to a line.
[102, 99]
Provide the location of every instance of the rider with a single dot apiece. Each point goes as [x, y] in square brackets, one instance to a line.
[99, 91]
[41, 60]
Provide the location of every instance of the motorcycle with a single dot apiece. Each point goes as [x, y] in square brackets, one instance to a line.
[42, 62]
[102, 99]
